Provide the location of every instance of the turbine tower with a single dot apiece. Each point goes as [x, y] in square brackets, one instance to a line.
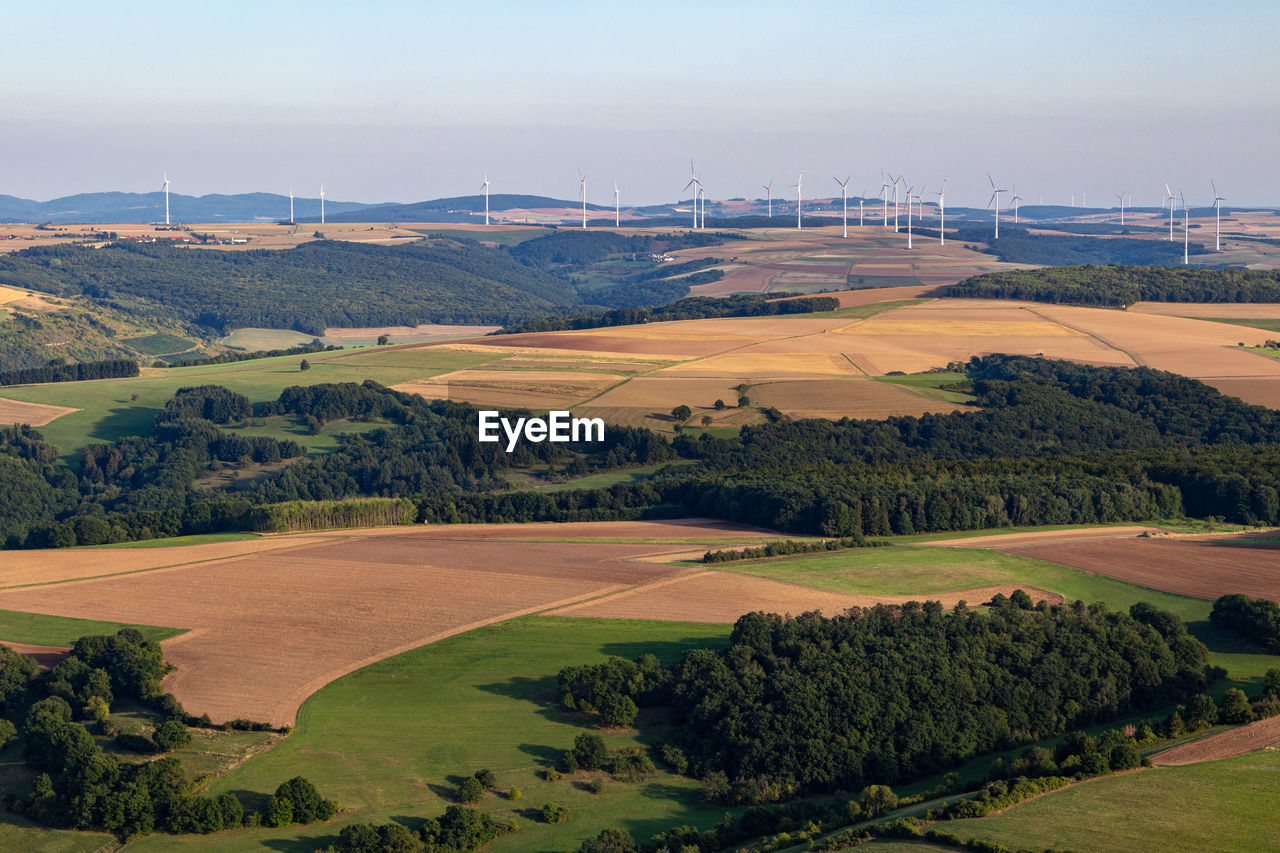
[799, 198]
[1186, 231]
[1016, 198]
[896, 181]
[291, 219]
[696, 184]
[1121, 197]
[1172, 206]
[166, 198]
[844, 200]
[322, 204]
[702, 193]
[942, 213]
[995, 196]
[910, 190]
[583, 180]
[485, 188]
[1217, 213]
[617, 210]
[768, 188]
[861, 198]
[884, 194]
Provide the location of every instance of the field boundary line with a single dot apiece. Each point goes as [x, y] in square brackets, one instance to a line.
[1138, 360]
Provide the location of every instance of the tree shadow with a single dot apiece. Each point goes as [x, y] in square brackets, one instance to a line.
[1222, 640]
[300, 844]
[253, 801]
[546, 754]
[411, 822]
[667, 651]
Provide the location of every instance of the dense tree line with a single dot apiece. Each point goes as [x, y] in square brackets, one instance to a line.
[197, 359]
[890, 694]
[1020, 246]
[575, 248]
[693, 308]
[1121, 286]
[309, 288]
[79, 786]
[1258, 619]
[78, 372]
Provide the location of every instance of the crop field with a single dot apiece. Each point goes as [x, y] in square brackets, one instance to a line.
[1204, 568]
[33, 414]
[1220, 805]
[1238, 741]
[532, 389]
[271, 620]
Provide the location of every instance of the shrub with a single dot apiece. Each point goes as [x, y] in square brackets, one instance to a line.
[279, 811]
[470, 791]
[1235, 707]
[553, 813]
[486, 778]
[675, 758]
[305, 801]
[609, 841]
[590, 751]
[568, 762]
[597, 785]
[1124, 756]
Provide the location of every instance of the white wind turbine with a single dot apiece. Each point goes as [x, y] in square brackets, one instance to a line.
[861, 198]
[485, 188]
[799, 197]
[291, 220]
[1217, 212]
[844, 200]
[995, 196]
[322, 204]
[166, 198]
[702, 192]
[1014, 201]
[1186, 231]
[1172, 206]
[896, 181]
[942, 213]
[910, 190]
[617, 210]
[768, 188]
[697, 185]
[583, 181]
[1121, 197]
[884, 194]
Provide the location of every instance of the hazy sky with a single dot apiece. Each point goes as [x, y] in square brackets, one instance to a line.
[404, 101]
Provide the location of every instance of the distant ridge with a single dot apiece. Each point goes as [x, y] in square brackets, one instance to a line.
[140, 208]
[457, 209]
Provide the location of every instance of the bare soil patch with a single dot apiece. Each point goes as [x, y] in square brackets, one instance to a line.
[711, 596]
[1261, 390]
[47, 656]
[536, 389]
[267, 630]
[35, 414]
[1001, 540]
[1203, 568]
[1228, 744]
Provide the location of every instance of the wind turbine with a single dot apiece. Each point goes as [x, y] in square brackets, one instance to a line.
[844, 200]
[995, 196]
[884, 194]
[896, 181]
[909, 191]
[697, 185]
[942, 213]
[768, 188]
[799, 197]
[322, 204]
[1172, 205]
[1217, 212]
[617, 210]
[485, 188]
[702, 192]
[166, 198]
[1121, 197]
[1186, 231]
[291, 220]
[1016, 198]
[583, 180]
[861, 198]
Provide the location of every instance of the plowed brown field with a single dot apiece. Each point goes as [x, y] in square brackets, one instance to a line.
[1204, 568]
[710, 596]
[1238, 741]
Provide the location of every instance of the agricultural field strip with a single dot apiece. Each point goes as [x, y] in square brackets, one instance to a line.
[1240, 740]
[1134, 357]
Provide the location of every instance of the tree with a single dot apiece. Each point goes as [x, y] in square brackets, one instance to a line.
[470, 791]
[486, 778]
[1124, 756]
[706, 420]
[681, 413]
[590, 750]
[1235, 707]
[617, 710]
[172, 734]
[304, 365]
[609, 841]
[554, 813]
[279, 812]
[719, 404]
[383, 340]
[878, 800]
[307, 804]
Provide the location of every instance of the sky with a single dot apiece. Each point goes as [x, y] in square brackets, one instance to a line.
[389, 101]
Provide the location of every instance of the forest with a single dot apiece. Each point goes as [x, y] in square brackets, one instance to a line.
[692, 308]
[1019, 246]
[1121, 286]
[890, 694]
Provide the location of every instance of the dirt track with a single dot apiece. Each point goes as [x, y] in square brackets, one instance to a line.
[1228, 744]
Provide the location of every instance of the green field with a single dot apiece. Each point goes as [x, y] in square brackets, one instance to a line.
[920, 570]
[392, 739]
[609, 478]
[502, 238]
[1267, 324]
[17, 834]
[325, 441]
[931, 385]
[108, 412]
[41, 630]
[178, 541]
[862, 312]
[159, 343]
[1227, 805]
[264, 340]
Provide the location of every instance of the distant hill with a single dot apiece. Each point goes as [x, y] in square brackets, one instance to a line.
[456, 209]
[138, 208]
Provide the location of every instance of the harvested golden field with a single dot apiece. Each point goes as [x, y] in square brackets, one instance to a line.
[845, 398]
[1241, 311]
[431, 330]
[11, 294]
[267, 630]
[1238, 741]
[1001, 540]
[711, 596]
[1203, 568]
[748, 365]
[662, 393]
[33, 414]
[1261, 391]
[534, 389]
